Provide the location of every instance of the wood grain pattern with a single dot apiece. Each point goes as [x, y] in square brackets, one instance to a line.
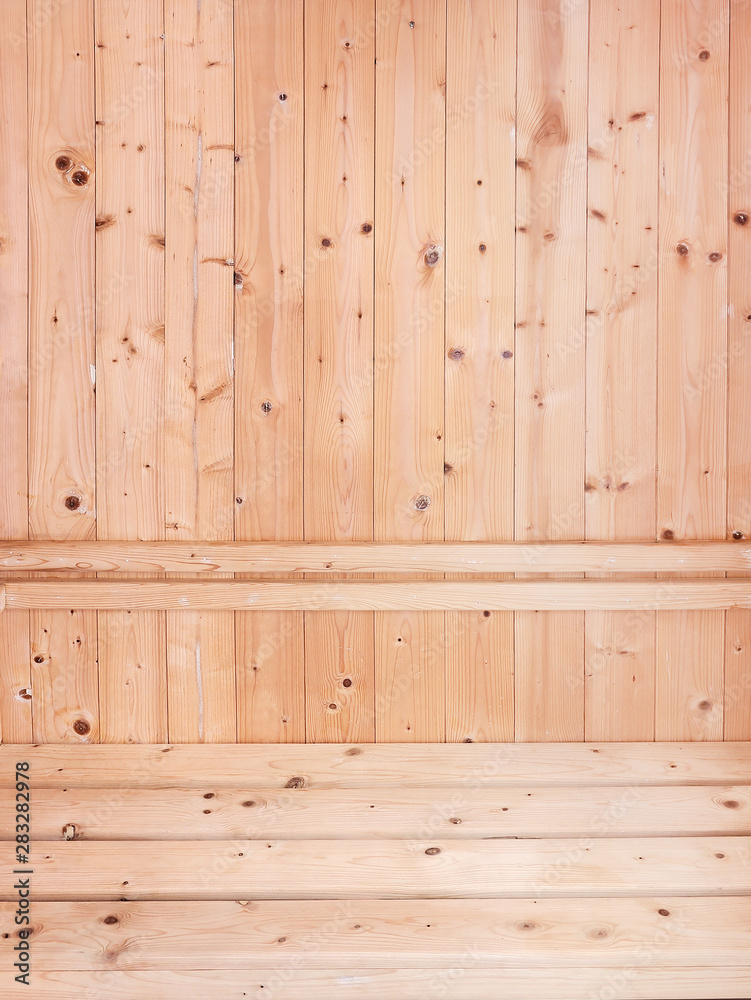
[62, 497]
[384, 813]
[472, 765]
[199, 346]
[223, 935]
[479, 394]
[692, 391]
[551, 144]
[409, 343]
[650, 983]
[269, 265]
[339, 258]
[15, 673]
[622, 266]
[130, 346]
[737, 689]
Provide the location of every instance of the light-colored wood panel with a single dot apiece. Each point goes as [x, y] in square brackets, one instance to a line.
[62, 499]
[358, 935]
[130, 346]
[472, 765]
[551, 145]
[269, 273]
[362, 869]
[15, 677]
[199, 346]
[418, 595]
[737, 693]
[644, 983]
[479, 373]
[410, 109]
[701, 558]
[692, 389]
[339, 262]
[622, 266]
[689, 695]
[455, 813]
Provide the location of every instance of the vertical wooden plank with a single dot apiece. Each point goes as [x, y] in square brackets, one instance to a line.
[130, 346]
[692, 396]
[550, 345]
[269, 84]
[339, 216]
[62, 501]
[738, 633]
[621, 347]
[480, 209]
[409, 340]
[199, 335]
[15, 675]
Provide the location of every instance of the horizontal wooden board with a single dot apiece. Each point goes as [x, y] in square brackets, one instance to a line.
[213, 813]
[375, 557]
[377, 595]
[471, 765]
[369, 934]
[323, 869]
[465, 982]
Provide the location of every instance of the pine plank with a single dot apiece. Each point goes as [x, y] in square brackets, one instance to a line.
[479, 394]
[471, 765]
[465, 983]
[737, 689]
[339, 268]
[269, 265]
[62, 495]
[130, 347]
[622, 182]
[419, 595]
[692, 399]
[410, 113]
[358, 935]
[551, 135]
[209, 813]
[206, 558]
[199, 345]
[15, 673]
[364, 869]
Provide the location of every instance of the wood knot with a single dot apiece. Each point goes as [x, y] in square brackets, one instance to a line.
[295, 782]
[737, 535]
[80, 177]
[267, 406]
[209, 795]
[25, 693]
[526, 925]
[704, 55]
[719, 855]
[433, 255]
[705, 705]
[549, 236]
[431, 851]
[238, 280]
[682, 249]
[110, 920]
[81, 727]
[72, 502]
[325, 242]
[422, 502]
[347, 682]
[248, 804]
[714, 256]
[664, 913]
[282, 97]
[482, 248]
[668, 535]
[455, 820]
[39, 658]
[63, 163]
[507, 354]
[740, 218]
[366, 228]
[69, 832]
[353, 752]
[731, 804]
[456, 354]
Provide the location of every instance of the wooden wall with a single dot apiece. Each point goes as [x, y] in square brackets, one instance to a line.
[375, 270]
